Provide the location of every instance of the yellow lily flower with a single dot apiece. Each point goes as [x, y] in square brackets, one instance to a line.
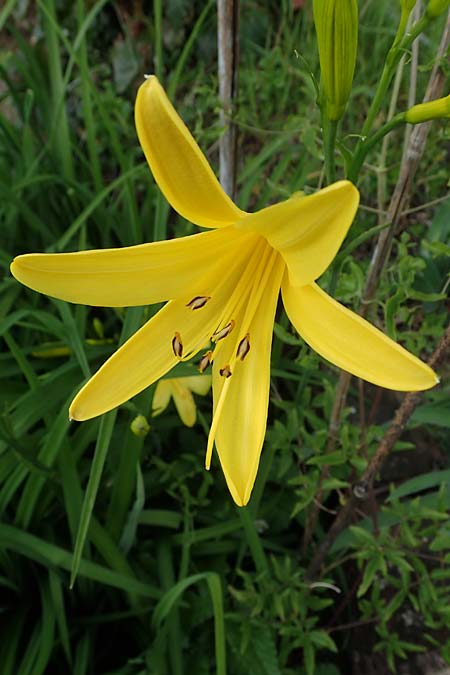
[180, 389]
[222, 287]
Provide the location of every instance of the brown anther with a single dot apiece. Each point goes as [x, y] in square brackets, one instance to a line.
[177, 345]
[243, 347]
[226, 371]
[198, 302]
[223, 332]
[205, 361]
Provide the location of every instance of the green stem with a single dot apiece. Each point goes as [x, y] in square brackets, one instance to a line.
[158, 60]
[392, 60]
[329, 139]
[253, 540]
[363, 150]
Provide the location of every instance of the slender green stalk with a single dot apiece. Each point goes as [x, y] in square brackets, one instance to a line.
[253, 540]
[124, 482]
[167, 580]
[89, 120]
[390, 66]
[158, 61]
[329, 139]
[360, 154]
[59, 123]
[22, 361]
[392, 60]
[176, 73]
[101, 450]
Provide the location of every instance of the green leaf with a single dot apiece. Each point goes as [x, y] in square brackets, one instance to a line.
[51, 555]
[309, 655]
[169, 599]
[420, 483]
[437, 413]
[101, 449]
[322, 640]
[329, 459]
[370, 571]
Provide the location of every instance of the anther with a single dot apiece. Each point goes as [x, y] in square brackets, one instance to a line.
[225, 372]
[223, 332]
[198, 302]
[205, 361]
[177, 345]
[243, 347]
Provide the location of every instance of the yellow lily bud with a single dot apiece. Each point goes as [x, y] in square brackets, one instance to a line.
[436, 7]
[432, 110]
[336, 24]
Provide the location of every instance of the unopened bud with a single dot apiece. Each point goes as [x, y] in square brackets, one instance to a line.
[432, 110]
[436, 7]
[139, 426]
[336, 24]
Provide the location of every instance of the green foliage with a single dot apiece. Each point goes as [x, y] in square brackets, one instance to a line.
[168, 577]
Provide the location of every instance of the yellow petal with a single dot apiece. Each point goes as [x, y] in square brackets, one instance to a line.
[199, 384]
[130, 276]
[161, 397]
[242, 424]
[307, 231]
[149, 353]
[350, 342]
[177, 163]
[184, 402]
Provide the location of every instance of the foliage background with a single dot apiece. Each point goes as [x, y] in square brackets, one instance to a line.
[173, 577]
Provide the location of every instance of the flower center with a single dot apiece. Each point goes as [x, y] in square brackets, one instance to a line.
[239, 293]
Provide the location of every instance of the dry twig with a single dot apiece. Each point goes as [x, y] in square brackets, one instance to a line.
[228, 57]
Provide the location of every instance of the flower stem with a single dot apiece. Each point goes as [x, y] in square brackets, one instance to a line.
[394, 55]
[329, 139]
[253, 540]
[360, 154]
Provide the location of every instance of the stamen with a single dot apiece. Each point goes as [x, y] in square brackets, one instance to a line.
[177, 345]
[223, 332]
[205, 361]
[226, 371]
[243, 347]
[198, 302]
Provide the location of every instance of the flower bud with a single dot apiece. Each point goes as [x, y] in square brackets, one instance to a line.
[436, 7]
[423, 112]
[139, 426]
[336, 24]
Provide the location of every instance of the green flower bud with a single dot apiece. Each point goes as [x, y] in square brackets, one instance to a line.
[336, 24]
[432, 110]
[139, 426]
[436, 7]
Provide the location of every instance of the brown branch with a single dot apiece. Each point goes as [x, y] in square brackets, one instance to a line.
[228, 59]
[361, 488]
[399, 202]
